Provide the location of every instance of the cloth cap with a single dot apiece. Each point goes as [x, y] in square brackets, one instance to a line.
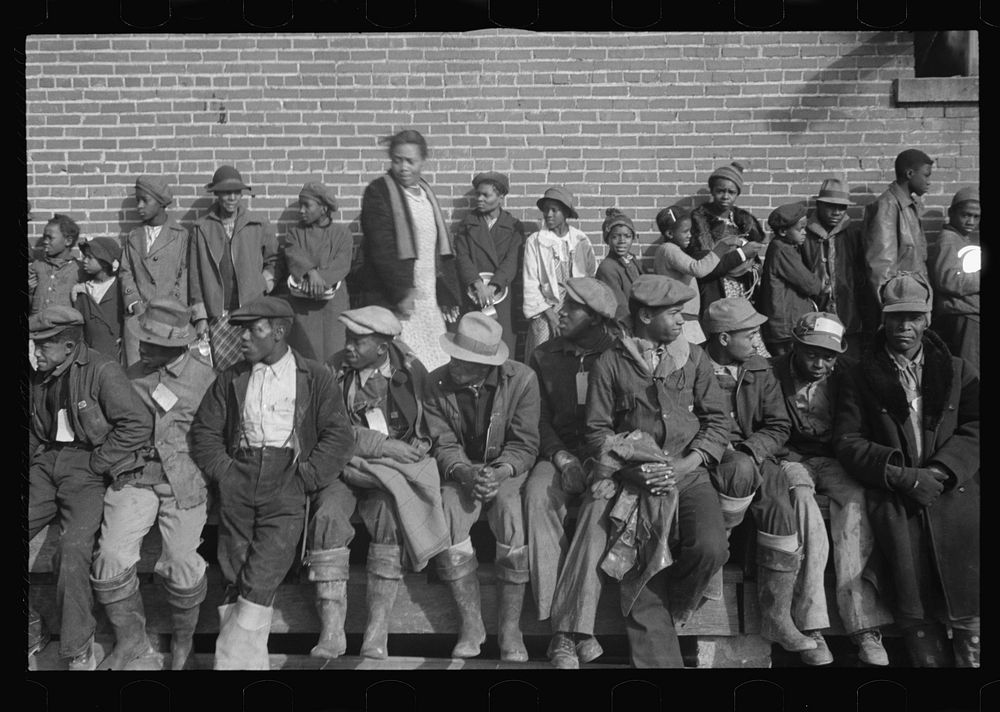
[964, 195]
[820, 329]
[733, 172]
[493, 177]
[834, 190]
[593, 293]
[731, 314]
[557, 192]
[103, 248]
[51, 320]
[263, 308]
[320, 193]
[371, 320]
[906, 292]
[656, 290]
[786, 216]
[225, 179]
[616, 217]
[157, 187]
[478, 339]
[166, 322]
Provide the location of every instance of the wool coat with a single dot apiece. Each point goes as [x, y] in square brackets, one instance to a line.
[788, 290]
[162, 272]
[102, 323]
[847, 295]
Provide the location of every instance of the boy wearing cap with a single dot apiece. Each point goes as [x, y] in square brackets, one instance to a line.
[391, 481]
[97, 299]
[953, 263]
[270, 431]
[811, 381]
[169, 491]
[661, 385]
[562, 366]
[620, 267]
[894, 239]
[488, 248]
[907, 428]
[86, 426]
[232, 260]
[788, 288]
[482, 413]
[154, 256]
[551, 256]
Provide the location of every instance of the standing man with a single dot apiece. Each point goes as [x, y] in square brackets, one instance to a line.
[169, 490]
[270, 431]
[87, 424]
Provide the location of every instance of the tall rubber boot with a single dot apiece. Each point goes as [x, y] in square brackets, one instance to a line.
[928, 646]
[380, 597]
[468, 598]
[244, 627]
[128, 619]
[776, 572]
[185, 606]
[511, 600]
[331, 605]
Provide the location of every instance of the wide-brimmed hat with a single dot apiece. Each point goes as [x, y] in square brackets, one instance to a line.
[557, 192]
[165, 322]
[821, 329]
[226, 178]
[479, 339]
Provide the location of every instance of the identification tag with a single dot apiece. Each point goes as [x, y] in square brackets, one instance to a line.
[581, 387]
[164, 397]
[64, 431]
[376, 420]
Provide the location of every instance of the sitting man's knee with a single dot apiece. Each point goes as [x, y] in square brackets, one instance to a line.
[737, 475]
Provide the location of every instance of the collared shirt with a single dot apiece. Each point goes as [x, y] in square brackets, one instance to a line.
[152, 232]
[475, 403]
[97, 290]
[815, 410]
[269, 408]
[361, 384]
[910, 374]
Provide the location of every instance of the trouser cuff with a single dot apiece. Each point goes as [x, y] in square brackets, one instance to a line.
[512, 564]
[116, 589]
[733, 509]
[328, 564]
[187, 597]
[457, 561]
[252, 616]
[385, 561]
[776, 557]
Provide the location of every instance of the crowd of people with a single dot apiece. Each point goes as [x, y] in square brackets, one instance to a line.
[739, 372]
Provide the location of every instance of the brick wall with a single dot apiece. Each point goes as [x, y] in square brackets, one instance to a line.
[633, 120]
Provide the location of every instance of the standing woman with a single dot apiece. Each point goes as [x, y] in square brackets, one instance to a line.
[409, 257]
[318, 255]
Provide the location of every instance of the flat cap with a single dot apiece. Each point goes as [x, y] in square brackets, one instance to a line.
[786, 216]
[320, 193]
[965, 195]
[371, 320]
[593, 293]
[103, 248]
[51, 320]
[493, 177]
[263, 308]
[557, 192]
[157, 187]
[906, 292]
[821, 329]
[731, 314]
[834, 190]
[656, 290]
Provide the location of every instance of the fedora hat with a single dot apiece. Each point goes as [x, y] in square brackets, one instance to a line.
[479, 339]
[165, 322]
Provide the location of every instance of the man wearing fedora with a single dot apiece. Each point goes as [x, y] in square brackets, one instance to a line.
[87, 425]
[392, 481]
[232, 260]
[169, 491]
[811, 377]
[270, 431]
[907, 428]
[482, 412]
[563, 365]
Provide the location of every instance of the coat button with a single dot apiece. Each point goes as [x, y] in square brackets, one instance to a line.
[155, 259]
[961, 489]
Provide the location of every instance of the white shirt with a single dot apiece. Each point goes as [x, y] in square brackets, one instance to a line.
[269, 408]
[152, 232]
[97, 290]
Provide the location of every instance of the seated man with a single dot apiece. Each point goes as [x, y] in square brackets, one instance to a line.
[562, 365]
[810, 377]
[482, 412]
[907, 428]
[391, 481]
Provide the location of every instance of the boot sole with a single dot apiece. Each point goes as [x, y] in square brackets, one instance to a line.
[318, 652]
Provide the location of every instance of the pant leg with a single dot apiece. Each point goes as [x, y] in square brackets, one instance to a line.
[180, 565]
[652, 638]
[330, 519]
[505, 515]
[461, 511]
[236, 517]
[736, 478]
[544, 514]
[129, 514]
[809, 611]
[42, 508]
[772, 509]
[385, 553]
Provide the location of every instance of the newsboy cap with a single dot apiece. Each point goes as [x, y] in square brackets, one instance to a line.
[226, 178]
[157, 187]
[263, 308]
[320, 193]
[965, 195]
[786, 216]
[731, 314]
[906, 292]
[833, 190]
[593, 293]
[657, 290]
[52, 320]
[107, 249]
[821, 329]
[371, 320]
[493, 177]
[557, 192]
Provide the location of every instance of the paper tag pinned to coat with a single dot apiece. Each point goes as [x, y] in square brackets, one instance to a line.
[376, 420]
[971, 257]
[64, 431]
[164, 397]
[581, 387]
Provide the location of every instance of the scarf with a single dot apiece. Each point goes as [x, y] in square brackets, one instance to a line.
[406, 248]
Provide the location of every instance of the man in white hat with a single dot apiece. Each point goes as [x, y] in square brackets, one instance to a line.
[482, 411]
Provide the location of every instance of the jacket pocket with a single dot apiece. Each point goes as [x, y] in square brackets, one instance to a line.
[92, 422]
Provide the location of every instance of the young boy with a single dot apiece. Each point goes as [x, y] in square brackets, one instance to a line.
[953, 266]
[788, 288]
[97, 299]
[51, 279]
[154, 256]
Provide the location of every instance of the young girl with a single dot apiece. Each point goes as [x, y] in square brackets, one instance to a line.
[620, 268]
[318, 254]
[97, 299]
[51, 279]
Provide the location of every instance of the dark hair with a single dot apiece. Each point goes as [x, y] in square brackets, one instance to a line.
[67, 226]
[911, 158]
[668, 217]
[406, 136]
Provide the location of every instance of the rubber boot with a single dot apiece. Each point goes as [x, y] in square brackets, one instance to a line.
[129, 622]
[966, 645]
[244, 627]
[511, 599]
[776, 572]
[331, 605]
[928, 646]
[380, 597]
[184, 621]
[472, 633]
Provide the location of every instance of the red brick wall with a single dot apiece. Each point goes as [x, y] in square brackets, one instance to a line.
[634, 120]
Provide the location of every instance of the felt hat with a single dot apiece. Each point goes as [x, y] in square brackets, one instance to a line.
[157, 187]
[371, 320]
[731, 314]
[786, 216]
[657, 290]
[166, 322]
[107, 249]
[833, 190]
[262, 308]
[593, 293]
[478, 339]
[821, 329]
[225, 179]
[906, 292]
[492, 176]
[320, 193]
[733, 172]
[965, 195]
[52, 320]
[557, 192]
[614, 218]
